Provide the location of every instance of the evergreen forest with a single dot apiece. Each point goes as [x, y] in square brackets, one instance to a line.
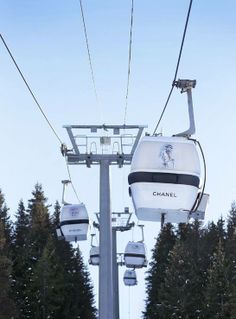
[40, 277]
[192, 274]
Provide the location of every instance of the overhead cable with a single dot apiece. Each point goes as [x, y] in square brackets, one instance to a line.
[177, 67]
[73, 187]
[30, 90]
[38, 105]
[130, 57]
[88, 51]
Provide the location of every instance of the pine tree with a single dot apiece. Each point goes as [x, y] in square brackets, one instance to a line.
[181, 293]
[221, 231]
[231, 221]
[174, 290]
[7, 306]
[195, 282]
[37, 237]
[56, 215]
[7, 225]
[80, 292]
[232, 274]
[156, 274]
[209, 245]
[217, 290]
[20, 261]
[21, 227]
[230, 254]
[49, 277]
[230, 247]
[79, 299]
[39, 219]
[232, 296]
[48, 286]
[210, 239]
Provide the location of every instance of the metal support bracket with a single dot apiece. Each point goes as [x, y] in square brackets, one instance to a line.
[187, 86]
[65, 182]
[95, 145]
[141, 227]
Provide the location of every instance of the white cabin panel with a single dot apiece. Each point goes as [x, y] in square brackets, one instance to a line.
[75, 232]
[74, 222]
[160, 153]
[130, 278]
[163, 196]
[135, 255]
[94, 256]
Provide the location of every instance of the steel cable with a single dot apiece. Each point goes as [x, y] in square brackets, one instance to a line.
[129, 58]
[73, 187]
[177, 67]
[30, 90]
[89, 55]
[38, 105]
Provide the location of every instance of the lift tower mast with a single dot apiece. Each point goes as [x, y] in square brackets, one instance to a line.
[103, 145]
[120, 222]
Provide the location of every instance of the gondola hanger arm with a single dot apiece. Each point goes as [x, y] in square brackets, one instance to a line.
[65, 183]
[187, 86]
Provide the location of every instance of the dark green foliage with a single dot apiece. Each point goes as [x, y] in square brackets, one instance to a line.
[21, 227]
[20, 257]
[199, 280]
[230, 246]
[232, 296]
[230, 252]
[7, 225]
[192, 273]
[217, 290]
[47, 278]
[55, 217]
[47, 284]
[173, 301]
[7, 306]
[35, 238]
[181, 292]
[155, 276]
[79, 302]
[38, 222]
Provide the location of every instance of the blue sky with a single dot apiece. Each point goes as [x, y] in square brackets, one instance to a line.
[46, 38]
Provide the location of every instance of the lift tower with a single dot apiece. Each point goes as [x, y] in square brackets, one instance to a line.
[103, 145]
[120, 222]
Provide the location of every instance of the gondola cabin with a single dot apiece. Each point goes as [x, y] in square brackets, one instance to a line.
[165, 178]
[74, 222]
[135, 255]
[94, 256]
[130, 278]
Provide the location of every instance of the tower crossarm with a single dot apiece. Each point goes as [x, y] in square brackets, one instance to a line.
[93, 143]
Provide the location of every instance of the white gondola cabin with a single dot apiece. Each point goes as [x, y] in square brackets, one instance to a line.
[94, 256]
[74, 222]
[130, 278]
[165, 178]
[135, 255]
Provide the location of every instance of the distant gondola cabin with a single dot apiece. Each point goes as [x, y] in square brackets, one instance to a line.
[130, 278]
[94, 256]
[74, 222]
[135, 255]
